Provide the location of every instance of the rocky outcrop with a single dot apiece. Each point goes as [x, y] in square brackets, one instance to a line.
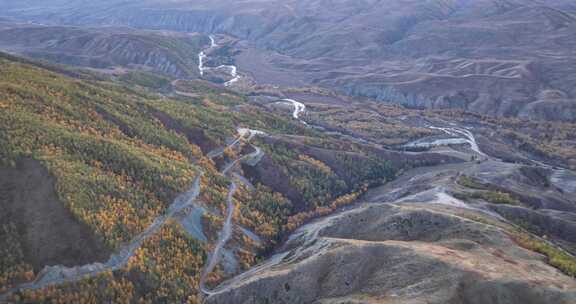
[424, 254]
[413, 242]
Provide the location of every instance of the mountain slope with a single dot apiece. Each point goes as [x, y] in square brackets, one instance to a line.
[188, 191]
[118, 163]
[109, 49]
[423, 255]
[501, 58]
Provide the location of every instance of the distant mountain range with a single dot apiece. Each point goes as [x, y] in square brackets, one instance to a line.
[494, 57]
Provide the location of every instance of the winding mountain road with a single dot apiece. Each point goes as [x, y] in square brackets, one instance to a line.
[223, 238]
[52, 275]
[226, 232]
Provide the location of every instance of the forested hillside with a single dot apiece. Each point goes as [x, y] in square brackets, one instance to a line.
[116, 155]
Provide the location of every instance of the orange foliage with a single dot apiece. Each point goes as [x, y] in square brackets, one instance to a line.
[318, 164]
[299, 219]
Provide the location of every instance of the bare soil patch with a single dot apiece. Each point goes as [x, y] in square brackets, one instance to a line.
[48, 232]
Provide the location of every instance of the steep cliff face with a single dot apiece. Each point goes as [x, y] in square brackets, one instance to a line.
[499, 65]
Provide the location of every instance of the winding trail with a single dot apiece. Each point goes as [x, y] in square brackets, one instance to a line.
[226, 233]
[308, 234]
[181, 93]
[52, 275]
[242, 132]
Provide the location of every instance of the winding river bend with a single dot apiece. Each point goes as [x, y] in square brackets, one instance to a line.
[299, 108]
[459, 136]
[467, 136]
[232, 70]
